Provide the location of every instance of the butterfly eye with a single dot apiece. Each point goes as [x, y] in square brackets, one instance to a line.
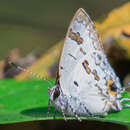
[112, 88]
[56, 93]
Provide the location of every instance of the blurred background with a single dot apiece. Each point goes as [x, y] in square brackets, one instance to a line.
[32, 34]
[29, 25]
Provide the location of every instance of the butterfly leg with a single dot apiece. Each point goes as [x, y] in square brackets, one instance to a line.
[125, 99]
[127, 105]
[74, 112]
[70, 106]
[77, 117]
[63, 115]
[89, 113]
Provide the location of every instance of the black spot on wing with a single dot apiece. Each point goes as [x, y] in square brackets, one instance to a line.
[61, 67]
[113, 87]
[75, 83]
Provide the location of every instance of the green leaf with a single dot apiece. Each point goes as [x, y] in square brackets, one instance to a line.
[28, 100]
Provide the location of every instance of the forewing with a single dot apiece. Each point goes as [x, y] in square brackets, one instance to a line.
[83, 65]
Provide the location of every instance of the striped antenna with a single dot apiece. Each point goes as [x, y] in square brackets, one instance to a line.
[30, 72]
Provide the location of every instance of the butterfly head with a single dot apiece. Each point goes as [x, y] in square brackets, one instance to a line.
[57, 98]
[54, 92]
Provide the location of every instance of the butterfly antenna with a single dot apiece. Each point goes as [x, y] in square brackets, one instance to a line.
[30, 72]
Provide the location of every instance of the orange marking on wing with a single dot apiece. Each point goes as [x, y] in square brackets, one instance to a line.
[109, 85]
[85, 65]
[95, 75]
[84, 53]
[76, 37]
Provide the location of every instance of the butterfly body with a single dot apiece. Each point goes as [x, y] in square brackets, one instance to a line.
[86, 84]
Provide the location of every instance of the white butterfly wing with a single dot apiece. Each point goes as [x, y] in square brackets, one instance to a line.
[83, 67]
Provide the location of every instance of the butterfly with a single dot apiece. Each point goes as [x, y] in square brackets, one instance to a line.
[86, 84]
